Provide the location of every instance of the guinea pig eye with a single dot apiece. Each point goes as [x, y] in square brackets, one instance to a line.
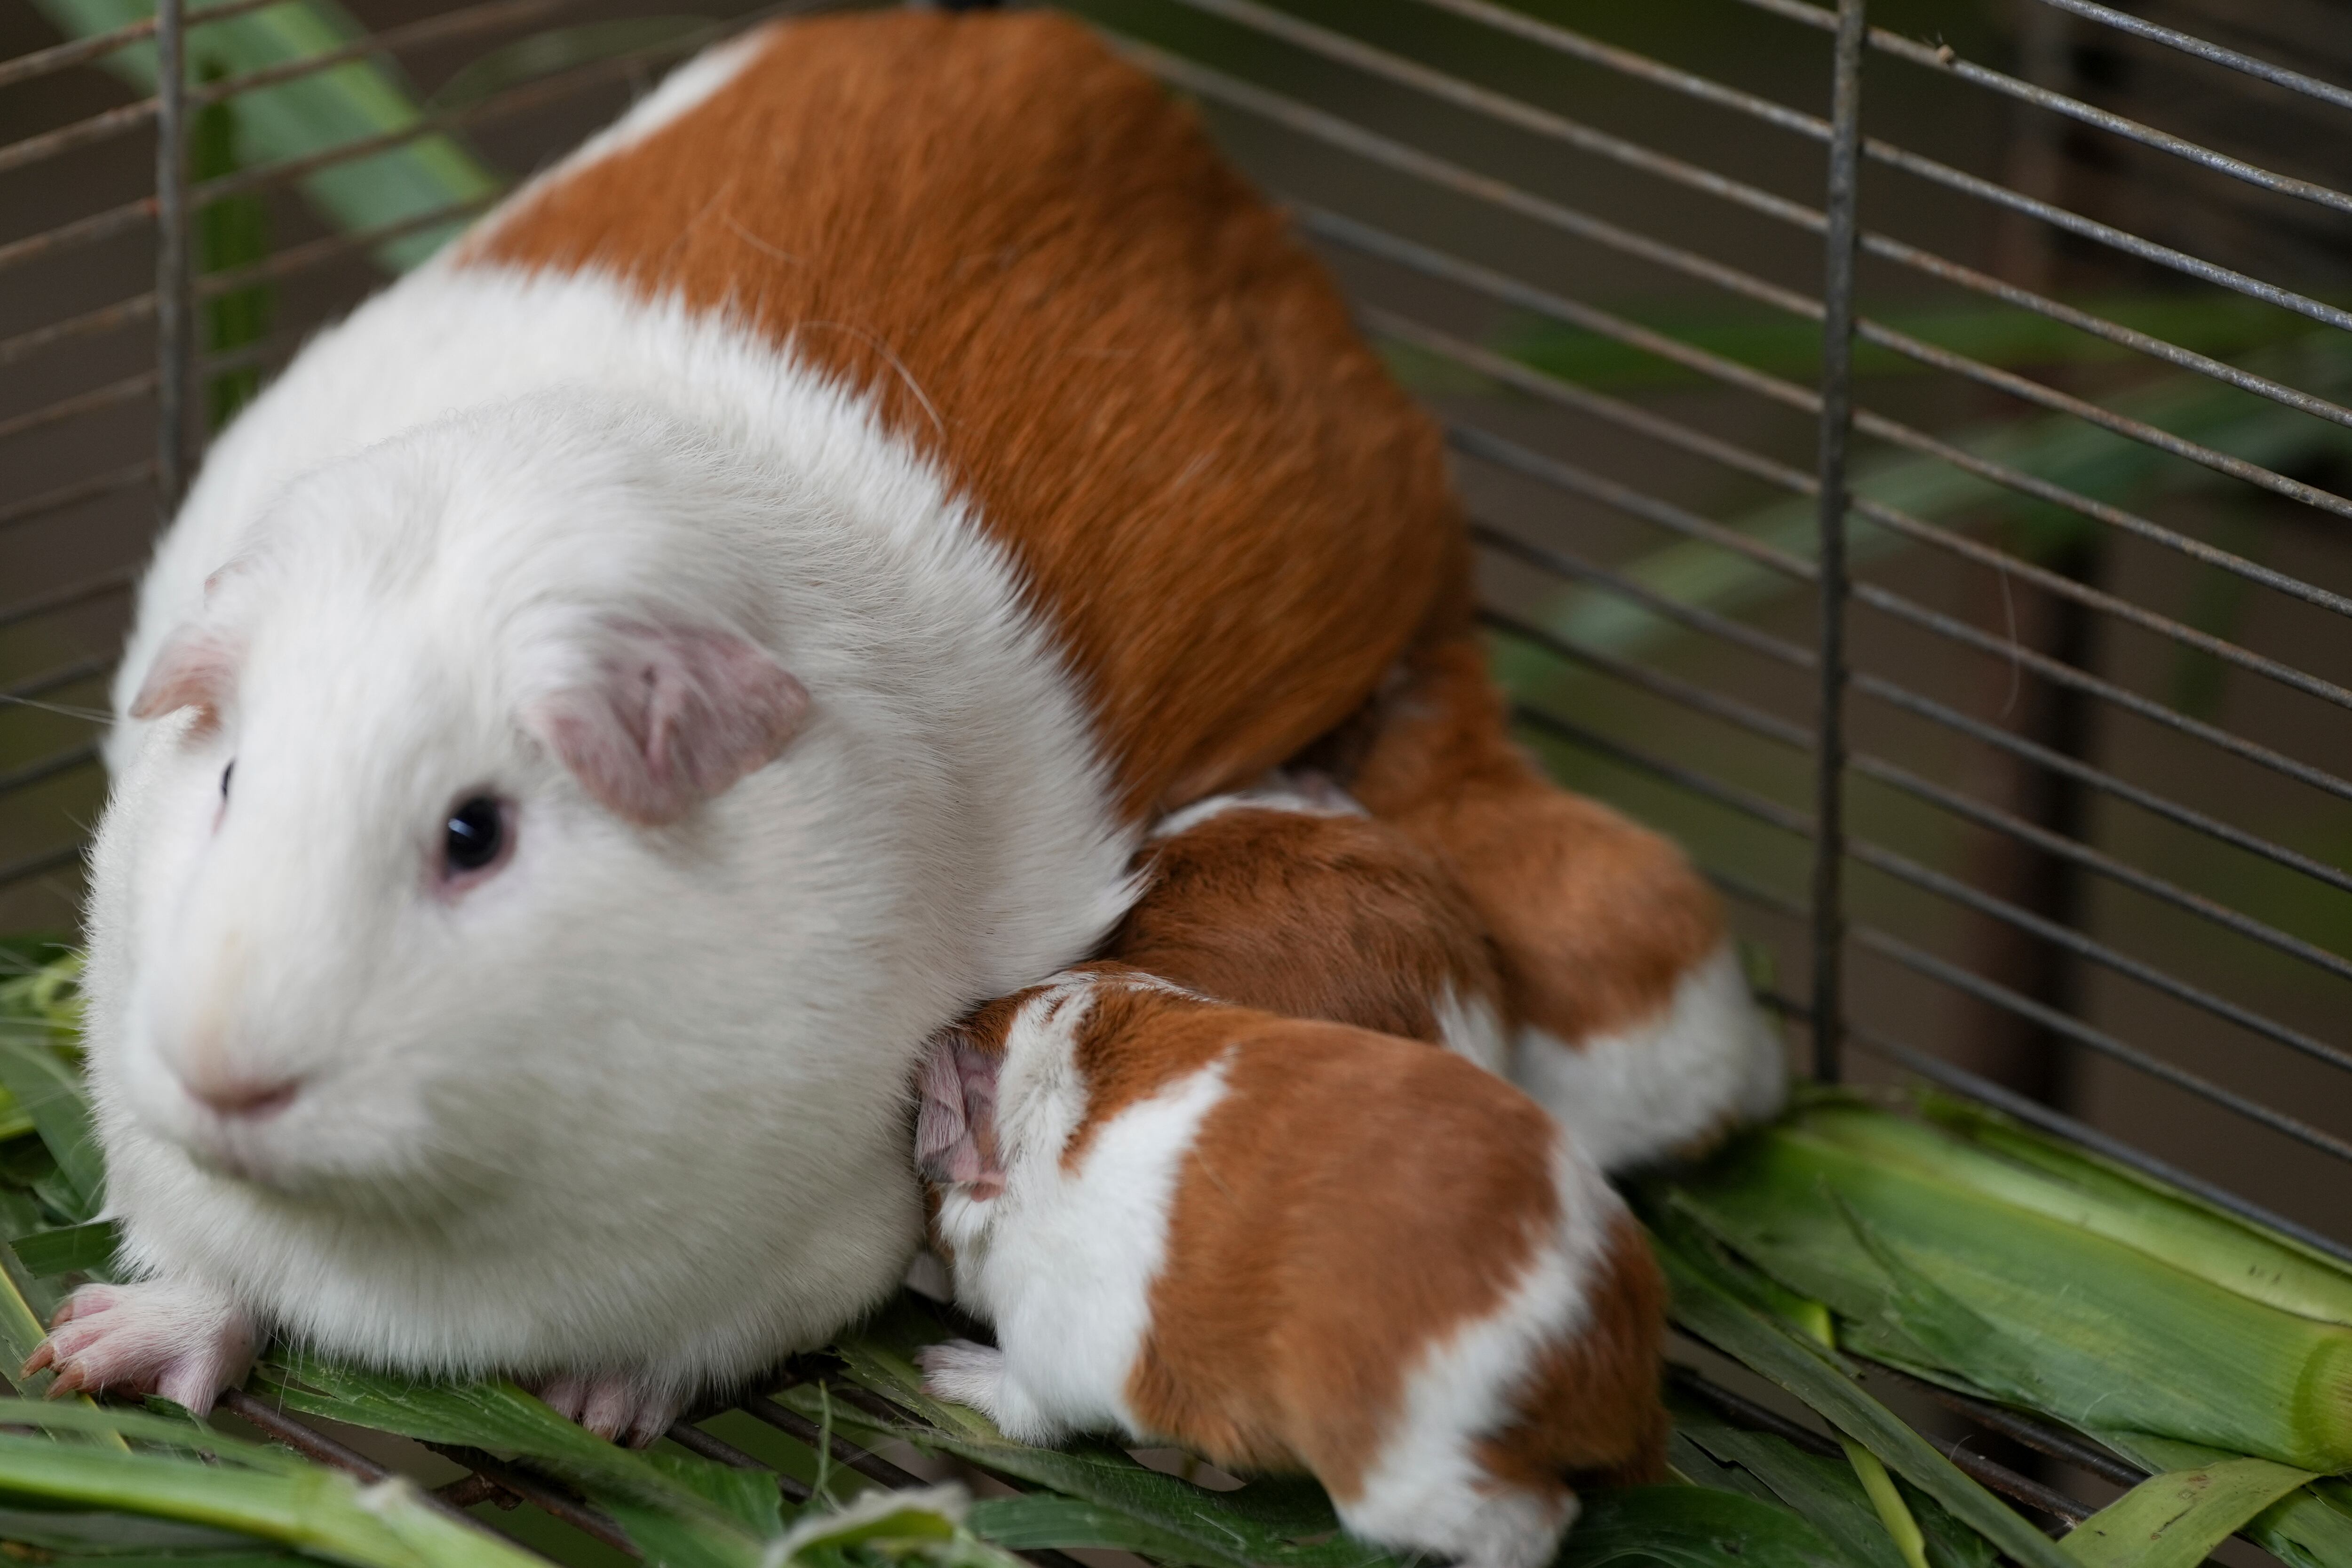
[474, 835]
[225, 772]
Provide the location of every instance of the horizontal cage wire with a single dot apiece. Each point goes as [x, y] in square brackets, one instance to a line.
[2028, 779]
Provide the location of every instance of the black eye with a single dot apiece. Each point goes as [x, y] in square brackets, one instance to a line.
[225, 772]
[476, 831]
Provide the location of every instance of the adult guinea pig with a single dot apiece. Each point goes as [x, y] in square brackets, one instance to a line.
[1337, 1251]
[619, 693]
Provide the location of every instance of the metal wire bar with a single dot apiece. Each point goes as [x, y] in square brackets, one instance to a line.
[1497, 286]
[127, 477]
[1941, 58]
[1921, 962]
[1642, 68]
[2040, 1436]
[1569, 477]
[1839, 326]
[66, 597]
[43, 769]
[1747, 802]
[1745, 1412]
[1330, 44]
[1504, 453]
[90, 402]
[1699, 698]
[1372, 145]
[1561, 563]
[592, 1523]
[59, 675]
[1917, 959]
[130, 116]
[793, 1423]
[1885, 861]
[175, 311]
[26, 867]
[80, 231]
[1952, 801]
[278, 265]
[80, 51]
[2277, 75]
[1959, 1080]
[695, 1440]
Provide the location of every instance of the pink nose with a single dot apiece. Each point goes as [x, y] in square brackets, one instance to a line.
[245, 1097]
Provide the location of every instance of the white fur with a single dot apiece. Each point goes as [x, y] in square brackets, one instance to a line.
[1063, 1260]
[1279, 794]
[1472, 1028]
[636, 1104]
[1427, 1490]
[1704, 1060]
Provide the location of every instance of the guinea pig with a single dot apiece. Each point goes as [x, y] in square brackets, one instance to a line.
[1633, 1021]
[1289, 899]
[619, 693]
[1335, 1249]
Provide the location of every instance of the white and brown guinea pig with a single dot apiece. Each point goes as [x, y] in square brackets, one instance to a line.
[1632, 1020]
[1288, 898]
[1334, 1250]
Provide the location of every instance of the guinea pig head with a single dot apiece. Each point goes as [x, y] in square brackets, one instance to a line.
[428, 776]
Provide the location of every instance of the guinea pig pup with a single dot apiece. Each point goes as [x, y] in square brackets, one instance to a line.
[1337, 1251]
[1287, 897]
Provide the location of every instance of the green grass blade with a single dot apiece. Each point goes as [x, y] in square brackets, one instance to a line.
[318, 1510]
[2174, 1519]
[1711, 1307]
[51, 1093]
[1691, 1527]
[68, 1249]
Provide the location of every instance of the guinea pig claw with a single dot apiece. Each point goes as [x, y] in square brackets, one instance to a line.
[40, 1361]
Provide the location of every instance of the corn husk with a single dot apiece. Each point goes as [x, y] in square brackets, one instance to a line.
[1937, 1255]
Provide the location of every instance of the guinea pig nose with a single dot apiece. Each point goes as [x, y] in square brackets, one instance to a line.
[246, 1097]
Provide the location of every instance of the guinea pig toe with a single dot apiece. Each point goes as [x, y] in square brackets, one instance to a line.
[615, 1406]
[85, 1303]
[963, 1372]
[144, 1339]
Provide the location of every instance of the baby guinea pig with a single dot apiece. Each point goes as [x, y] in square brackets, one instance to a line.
[1338, 1250]
[1287, 897]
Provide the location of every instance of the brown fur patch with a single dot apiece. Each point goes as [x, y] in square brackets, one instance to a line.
[1350, 1199]
[1596, 918]
[1338, 918]
[1033, 260]
[1590, 1413]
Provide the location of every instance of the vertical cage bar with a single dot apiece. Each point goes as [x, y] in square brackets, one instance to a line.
[1836, 432]
[175, 284]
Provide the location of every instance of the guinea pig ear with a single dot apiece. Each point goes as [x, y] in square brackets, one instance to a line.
[195, 667]
[671, 716]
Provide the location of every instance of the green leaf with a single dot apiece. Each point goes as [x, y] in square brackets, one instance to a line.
[47, 1253]
[1711, 1308]
[2174, 1519]
[1041, 1521]
[1691, 1527]
[666, 1514]
[51, 1093]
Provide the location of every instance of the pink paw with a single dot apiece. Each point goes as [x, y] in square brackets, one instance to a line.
[156, 1337]
[614, 1405]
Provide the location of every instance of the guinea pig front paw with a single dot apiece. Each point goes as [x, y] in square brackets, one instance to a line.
[159, 1337]
[615, 1406]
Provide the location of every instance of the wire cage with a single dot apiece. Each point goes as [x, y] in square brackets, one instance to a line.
[1908, 451]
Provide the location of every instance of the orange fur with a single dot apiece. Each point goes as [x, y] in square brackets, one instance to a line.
[1595, 918]
[1338, 918]
[1034, 262]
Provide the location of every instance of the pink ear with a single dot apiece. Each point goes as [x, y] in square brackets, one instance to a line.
[673, 716]
[195, 668]
[955, 1125]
